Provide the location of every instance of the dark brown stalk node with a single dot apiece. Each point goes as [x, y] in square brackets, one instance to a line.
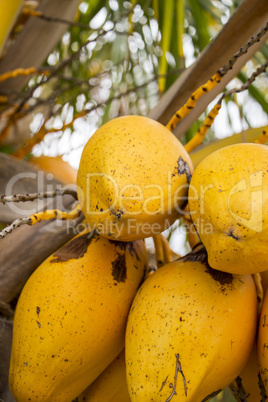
[199, 254]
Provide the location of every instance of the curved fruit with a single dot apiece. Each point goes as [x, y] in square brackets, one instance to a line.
[70, 319]
[61, 169]
[9, 12]
[192, 236]
[111, 385]
[249, 384]
[190, 331]
[133, 178]
[263, 342]
[228, 202]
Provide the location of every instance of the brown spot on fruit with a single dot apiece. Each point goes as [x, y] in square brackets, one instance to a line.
[262, 388]
[132, 250]
[183, 168]
[121, 244]
[75, 248]
[224, 278]
[239, 390]
[119, 270]
[200, 254]
[117, 213]
[231, 234]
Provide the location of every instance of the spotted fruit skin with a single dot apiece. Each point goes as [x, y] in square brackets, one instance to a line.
[188, 334]
[71, 316]
[263, 342]
[133, 178]
[111, 385]
[9, 13]
[228, 202]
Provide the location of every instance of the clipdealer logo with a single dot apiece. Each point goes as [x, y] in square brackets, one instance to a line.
[243, 202]
[255, 186]
[133, 199]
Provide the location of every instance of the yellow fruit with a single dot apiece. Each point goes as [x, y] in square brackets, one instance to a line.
[190, 331]
[70, 319]
[249, 384]
[9, 12]
[60, 169]
[133, 178]
[111, 385]
[262, 344]
[228, 202]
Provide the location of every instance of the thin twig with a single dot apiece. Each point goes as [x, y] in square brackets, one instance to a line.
[53, 71]
[223, 70]
[38, 137]
[47, 214]
[35, 13]
[76, 83]
[22, 71]
[250, 80]
[199, 136]
[212, 82]
[33, 196]
[16, 224]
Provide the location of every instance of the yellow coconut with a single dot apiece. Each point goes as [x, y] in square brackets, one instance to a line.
[111, 385]
[190, 331]
[71, 315]
[228, 202]
[133, 178]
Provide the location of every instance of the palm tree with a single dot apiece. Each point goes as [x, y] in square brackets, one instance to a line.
[127, 58]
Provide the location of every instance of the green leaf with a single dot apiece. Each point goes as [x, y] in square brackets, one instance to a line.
[201, 24]
[165, 43]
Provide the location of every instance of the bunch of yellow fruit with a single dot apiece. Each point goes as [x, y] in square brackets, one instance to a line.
[92, 324]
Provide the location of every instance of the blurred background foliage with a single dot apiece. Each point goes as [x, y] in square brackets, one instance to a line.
[117, 58]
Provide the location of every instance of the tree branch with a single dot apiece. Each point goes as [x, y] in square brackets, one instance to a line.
[39, 196]
[246, 21]
[30, 50]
